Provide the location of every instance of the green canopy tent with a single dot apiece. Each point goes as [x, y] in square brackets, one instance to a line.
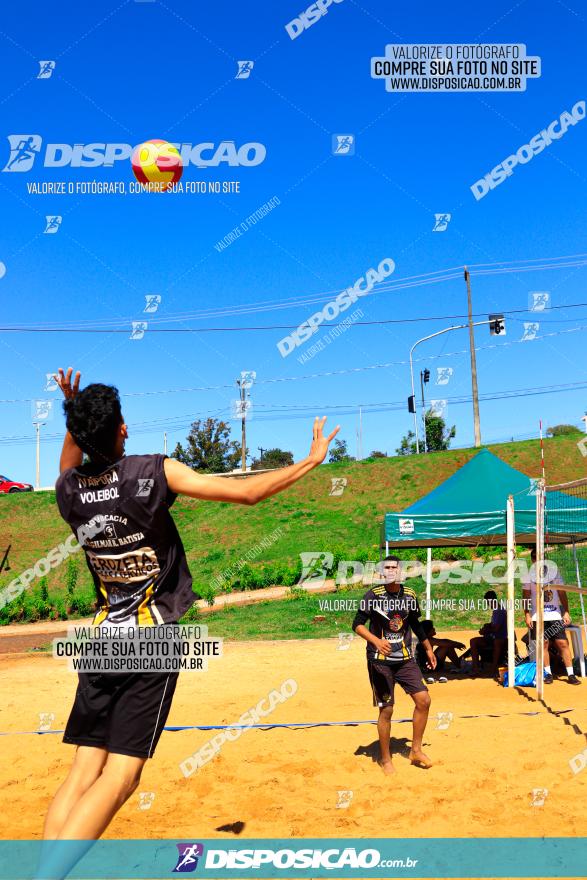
[469, 509]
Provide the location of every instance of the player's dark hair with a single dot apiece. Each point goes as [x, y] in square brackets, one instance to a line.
[93, 418]
[392, 559]
[490, 594]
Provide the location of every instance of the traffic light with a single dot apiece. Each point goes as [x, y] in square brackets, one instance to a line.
[412, 403]
[426, 376]
[497, 325]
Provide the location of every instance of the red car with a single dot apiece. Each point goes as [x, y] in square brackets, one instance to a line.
[7, 485]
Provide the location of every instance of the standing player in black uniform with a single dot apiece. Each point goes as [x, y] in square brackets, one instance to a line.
[118, 506]
[392, 612]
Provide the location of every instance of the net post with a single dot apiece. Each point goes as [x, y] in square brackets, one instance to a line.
[428, 580]
[580, 585]
[511, 561]
[540, 510]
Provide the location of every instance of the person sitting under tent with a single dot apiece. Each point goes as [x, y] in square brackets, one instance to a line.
[442, 648]
[491, 643]
[556, 615]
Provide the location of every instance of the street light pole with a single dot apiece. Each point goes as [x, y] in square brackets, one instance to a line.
[414, 395]
[469, 325]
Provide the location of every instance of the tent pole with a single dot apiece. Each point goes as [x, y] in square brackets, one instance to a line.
[539, 576]
[511, 562]
[428, 580]
[577, 570]
[387, 548]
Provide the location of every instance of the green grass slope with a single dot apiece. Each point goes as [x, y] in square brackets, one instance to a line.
[219, 537]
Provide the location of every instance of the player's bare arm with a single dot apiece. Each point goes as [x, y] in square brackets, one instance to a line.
[183, 480]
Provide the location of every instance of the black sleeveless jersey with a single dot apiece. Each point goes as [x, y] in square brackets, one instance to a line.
[120, 515]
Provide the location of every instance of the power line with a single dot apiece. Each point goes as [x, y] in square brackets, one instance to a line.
[288, 411]
[389, 286]
[42, 329]
[503, 343]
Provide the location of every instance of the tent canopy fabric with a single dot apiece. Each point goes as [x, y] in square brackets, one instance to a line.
[470, 509]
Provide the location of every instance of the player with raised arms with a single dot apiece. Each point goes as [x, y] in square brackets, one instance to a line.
[117, 719]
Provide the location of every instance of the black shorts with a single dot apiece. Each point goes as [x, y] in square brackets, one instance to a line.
[383, 677]
[553, 629]
[123, 713]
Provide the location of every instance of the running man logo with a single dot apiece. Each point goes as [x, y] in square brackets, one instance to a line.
[438, 408]
[338, 485]
[315, 567]
[24, 149]
[50, 382]
[144, 488]
[443, 375]
[441, 222]
[531, 329]
[146, 799]
[242, 409]
[46, 69]
[53, 224]
[138, 329]
[152, 302]
[45, 720]
[244, 69]
[344, 799]
[42, 410]
[443, 720]
[344, 641]
[187, 860]
[343, 145]
[539, 300]
[538, 797]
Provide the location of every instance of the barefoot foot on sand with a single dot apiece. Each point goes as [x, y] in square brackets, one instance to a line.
[387, 767]
[419, 759]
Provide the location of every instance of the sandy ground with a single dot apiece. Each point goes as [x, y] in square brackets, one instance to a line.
[286, 782]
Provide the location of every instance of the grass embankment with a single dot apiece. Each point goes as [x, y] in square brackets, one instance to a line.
[260, 546]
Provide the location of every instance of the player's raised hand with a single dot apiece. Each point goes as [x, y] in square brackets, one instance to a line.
[64, 382]
[320, 443]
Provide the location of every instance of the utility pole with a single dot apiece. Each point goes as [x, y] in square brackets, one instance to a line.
[243, 430]
[38, 476]
[165, 442]
[261, 450]
[476, 422]
[243, 393]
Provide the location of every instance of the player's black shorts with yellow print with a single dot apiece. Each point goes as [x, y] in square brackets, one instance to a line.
[383, 677]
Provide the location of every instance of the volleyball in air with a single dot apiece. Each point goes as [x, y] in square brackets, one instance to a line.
[158, 163]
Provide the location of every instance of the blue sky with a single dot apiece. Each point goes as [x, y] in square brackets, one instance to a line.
[130, 71]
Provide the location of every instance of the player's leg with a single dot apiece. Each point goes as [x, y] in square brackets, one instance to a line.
[498, 646]
[98, 805]
[87, 766]
[382, 687]
[562, 644]
[90, 816]
[476, 645]
[384, 732]
[441, 654]
[409, 677]
[420, 719]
